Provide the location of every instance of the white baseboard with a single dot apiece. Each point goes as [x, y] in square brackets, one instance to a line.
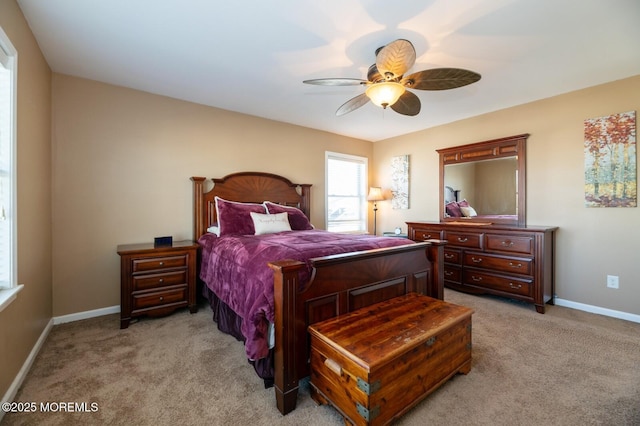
[597, 310]
[22, 374]
[86, 315]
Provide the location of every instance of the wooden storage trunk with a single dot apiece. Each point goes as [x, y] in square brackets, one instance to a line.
[377, 362]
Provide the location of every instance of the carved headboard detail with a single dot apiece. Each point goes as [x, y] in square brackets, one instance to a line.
[245, 187]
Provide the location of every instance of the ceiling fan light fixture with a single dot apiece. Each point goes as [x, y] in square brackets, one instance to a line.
[385, 94]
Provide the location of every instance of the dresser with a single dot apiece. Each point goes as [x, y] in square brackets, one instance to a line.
[503, 260]
[156, 281]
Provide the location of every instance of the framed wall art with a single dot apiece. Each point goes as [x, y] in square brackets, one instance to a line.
[400, 182]
[610, 161]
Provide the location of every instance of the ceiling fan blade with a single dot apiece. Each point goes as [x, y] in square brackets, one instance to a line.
[373, 75]
[408, 104]
[352, 104]
[440, 79]
[336, 81]
[394, 59]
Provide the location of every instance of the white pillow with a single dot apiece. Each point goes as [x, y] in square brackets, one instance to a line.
[468, 211]
[214, 230]
[270, 223]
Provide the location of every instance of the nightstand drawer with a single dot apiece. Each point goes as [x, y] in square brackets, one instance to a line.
[155, 263]
[149, 300]
[150, 281]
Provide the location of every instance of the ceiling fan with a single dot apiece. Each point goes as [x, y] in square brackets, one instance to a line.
[386, 83]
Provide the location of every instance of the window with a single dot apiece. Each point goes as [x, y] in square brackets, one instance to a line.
[346, 192]
[8, 76]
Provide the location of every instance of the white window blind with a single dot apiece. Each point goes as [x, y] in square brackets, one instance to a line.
[346, 185]
[8, 74]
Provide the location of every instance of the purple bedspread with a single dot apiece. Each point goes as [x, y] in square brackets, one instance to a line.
[235, 269]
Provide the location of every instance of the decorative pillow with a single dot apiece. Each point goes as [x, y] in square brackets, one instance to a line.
[297, 219]
[453, 209]
[234, 218]
[463, 203]
[468, 211]
[270, 223]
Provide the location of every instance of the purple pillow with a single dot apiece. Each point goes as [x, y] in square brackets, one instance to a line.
[463, 203]
[453, 209]
[297, 219]
[235, 218]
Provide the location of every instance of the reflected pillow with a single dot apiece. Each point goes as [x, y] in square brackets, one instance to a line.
[297, 219]
[235, 218]
[270, 223]
[453, 209]
[463, 203]
[468, 211]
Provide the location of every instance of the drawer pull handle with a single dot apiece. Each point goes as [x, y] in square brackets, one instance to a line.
[515, 265]
[161, 298]
[427, 237]
[476, 259]
[448, 273]
[161, 280]
[161, 263]
[333, 366]
[476, 279]
[463, 239]
[517, 287]
[448, 256]
[507, 243]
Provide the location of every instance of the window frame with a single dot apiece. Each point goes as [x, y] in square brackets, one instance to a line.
[362, 221]
[9, 61]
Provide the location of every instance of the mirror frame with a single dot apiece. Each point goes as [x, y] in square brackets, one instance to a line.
[513, 146]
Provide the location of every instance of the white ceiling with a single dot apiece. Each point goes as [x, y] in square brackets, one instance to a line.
[251, 56]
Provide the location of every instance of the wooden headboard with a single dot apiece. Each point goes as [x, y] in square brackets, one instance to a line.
[245, 187]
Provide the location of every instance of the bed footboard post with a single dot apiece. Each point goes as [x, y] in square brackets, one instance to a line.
[435, 253]
[287, 329]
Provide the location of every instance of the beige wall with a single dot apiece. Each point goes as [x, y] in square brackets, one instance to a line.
[591, 242]
[121, 166]
[24, 320]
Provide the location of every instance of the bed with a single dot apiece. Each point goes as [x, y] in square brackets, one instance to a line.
[298, 290]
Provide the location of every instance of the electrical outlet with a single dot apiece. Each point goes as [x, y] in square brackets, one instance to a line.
[613, 281]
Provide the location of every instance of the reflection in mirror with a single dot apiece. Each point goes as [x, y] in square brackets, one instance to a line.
[489, 186]
[484, 181]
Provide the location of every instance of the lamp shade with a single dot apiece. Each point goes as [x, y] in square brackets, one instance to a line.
[385, 94]
[375, 194]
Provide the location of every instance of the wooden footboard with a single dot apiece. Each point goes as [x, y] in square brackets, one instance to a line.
[340, 284]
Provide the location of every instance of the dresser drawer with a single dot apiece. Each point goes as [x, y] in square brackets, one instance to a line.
[512, 285]
[452, 256]
[452, 273]
[150, 281]
[155, 263]
[518, 265]
[155, 299]
[463, 239]
[426, 234]
[510, 243]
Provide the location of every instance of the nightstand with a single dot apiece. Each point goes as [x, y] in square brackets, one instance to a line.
[393, 234]
[156, 281]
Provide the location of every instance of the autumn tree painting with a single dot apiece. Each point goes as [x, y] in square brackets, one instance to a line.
[610, 161]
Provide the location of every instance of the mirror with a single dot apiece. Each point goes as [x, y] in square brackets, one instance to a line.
[484, 182]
